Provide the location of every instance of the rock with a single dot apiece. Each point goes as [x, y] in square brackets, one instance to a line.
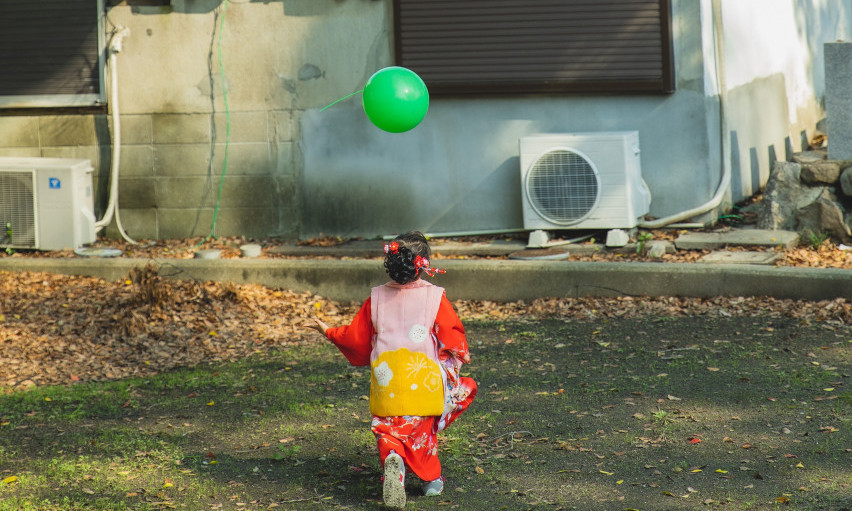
[846, 181]
[617, 238]
[809, 156]
[657, 249]
[821, 173]
[824, 215]
[784, 196]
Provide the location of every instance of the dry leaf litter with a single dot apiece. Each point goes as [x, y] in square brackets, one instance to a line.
[59, 329]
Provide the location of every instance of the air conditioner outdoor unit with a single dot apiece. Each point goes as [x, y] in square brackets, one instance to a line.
[46, 203]
[582, 181]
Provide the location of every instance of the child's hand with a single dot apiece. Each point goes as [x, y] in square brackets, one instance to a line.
[318, 325]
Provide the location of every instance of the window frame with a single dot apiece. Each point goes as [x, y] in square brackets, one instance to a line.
[664, 84]
[60, 101]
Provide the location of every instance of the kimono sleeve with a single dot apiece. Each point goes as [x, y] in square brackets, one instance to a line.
[355, 340]
[450, 332]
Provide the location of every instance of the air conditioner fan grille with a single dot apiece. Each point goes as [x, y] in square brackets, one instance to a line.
[17, 209]
[562, 186]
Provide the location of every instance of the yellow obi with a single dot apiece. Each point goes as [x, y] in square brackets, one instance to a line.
[406, 382]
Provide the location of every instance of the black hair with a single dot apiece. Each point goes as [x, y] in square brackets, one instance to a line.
[400, 265]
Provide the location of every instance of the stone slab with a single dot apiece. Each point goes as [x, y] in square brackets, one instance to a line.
[737, 238]
[728, 257]
[541, 254]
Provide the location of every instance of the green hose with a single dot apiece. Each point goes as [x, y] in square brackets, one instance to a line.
[227, 131]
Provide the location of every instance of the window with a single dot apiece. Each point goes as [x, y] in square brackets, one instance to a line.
[532, 46]
[51, 53]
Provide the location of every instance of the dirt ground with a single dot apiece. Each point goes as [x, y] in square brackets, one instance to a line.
[727, 410]
[590, 403]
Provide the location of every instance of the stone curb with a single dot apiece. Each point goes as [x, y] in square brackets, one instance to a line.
[497, 280]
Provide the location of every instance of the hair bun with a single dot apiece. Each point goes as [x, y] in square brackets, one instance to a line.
[399, 263]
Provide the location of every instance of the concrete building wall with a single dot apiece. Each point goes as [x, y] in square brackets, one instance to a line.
[295, 170]
[459, 171]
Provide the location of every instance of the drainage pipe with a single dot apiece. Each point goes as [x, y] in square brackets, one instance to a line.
[722, 90]
[115, 47]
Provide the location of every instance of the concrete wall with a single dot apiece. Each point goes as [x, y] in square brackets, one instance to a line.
[774, 80]
[459, 169]
[294, 170]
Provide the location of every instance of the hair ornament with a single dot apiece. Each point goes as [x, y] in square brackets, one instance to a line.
[421, 263]
[392, 248]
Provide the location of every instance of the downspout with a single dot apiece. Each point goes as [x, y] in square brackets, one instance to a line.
[722, 90]
[115, 46]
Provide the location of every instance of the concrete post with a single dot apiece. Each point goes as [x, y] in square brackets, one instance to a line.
[838, 99]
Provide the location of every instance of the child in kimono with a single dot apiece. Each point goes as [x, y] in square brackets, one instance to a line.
[413, 341]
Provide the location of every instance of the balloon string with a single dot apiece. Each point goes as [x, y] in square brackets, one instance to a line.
[341, 99]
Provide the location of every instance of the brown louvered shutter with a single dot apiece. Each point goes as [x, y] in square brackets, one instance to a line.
[524, 46]
[50, 47]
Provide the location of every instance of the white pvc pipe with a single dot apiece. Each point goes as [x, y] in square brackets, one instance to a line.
[721, 84]
[112, 205]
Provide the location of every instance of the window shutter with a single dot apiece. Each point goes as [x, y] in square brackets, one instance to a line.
[523, 46]
[50, 47]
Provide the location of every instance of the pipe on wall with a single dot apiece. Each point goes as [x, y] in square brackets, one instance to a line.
[722, 90]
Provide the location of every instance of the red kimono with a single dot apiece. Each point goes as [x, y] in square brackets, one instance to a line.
[414, 438]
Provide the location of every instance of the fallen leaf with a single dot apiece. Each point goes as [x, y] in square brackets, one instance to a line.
[10, 479]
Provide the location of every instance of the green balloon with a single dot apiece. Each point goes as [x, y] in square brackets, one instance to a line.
[395, 99]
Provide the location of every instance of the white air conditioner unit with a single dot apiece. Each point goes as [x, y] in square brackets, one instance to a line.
[582, 181]
[46, 203]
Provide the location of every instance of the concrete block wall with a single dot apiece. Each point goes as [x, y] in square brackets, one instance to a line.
[171, 166]
[280, 59]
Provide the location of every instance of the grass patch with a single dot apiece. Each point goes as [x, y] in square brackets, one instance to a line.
[666, 413]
